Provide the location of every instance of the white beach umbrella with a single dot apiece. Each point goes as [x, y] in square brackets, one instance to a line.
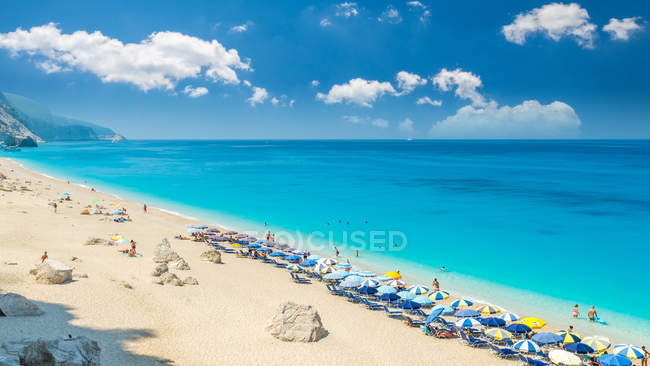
[509, 317]
[328, 261]
[396, 283]
[561, 357]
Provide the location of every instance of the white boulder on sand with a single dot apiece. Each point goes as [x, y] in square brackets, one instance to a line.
[159, 269]
[51, 272]
[211, 255]
[296, 323]
[169, 278]
[97, 241]
[181, 264]
[79, 351]
[163, 253]
[17, 305]
[190, 281]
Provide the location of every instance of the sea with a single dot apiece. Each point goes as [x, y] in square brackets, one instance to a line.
[533, 227]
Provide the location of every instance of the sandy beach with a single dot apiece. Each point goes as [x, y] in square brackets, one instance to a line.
[221, 320]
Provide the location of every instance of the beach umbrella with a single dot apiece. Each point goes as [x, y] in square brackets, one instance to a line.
[118, 212]
[628, 350]
[446, 309]
[292, 258]
[435, 313]
[343, 266]
[564, 358]
[300, 252]
[336, 275]
[308, 263]
[547, 338]
[190, 230]
[396, 283]
[498, 334]
[614, 360]
[518, 328]
[467, 323]
[394, 275]
[277, 254]
[526, 346]
[366, 274]
[314, 257]
[253, 246]
[201, 227]
[240, 236]
[409, 304]
[123, 241]
[578, 347]
[117, 237]
[251, 239]
[319, 266]
[328, 261]
[598, 343]
[260, 242]
[461, 303]
[467, 313]
[213, 230]
[384, 278]
[230, 233]
[388, 297]
[370, 282]
[327, 269]
[405, 295]
[264, 249]
[65, 193]
[487, 310]
[492, 322]
[367, 290]
[534, 323]
[509, 317]
[439, 295]
[418, 290]
[294, 268]
[423, 300]
[386, 290]
[568, 337]
[350, 282]
[269, 243]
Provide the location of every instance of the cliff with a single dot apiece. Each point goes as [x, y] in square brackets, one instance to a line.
[12, 129]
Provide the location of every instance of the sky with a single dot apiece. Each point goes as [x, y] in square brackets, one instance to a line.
[329, 70]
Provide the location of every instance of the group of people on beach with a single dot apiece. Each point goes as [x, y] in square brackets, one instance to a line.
[592, 315]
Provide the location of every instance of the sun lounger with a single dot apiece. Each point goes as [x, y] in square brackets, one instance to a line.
[371, 305]
[334, 291]
[351, 297]
[280, 265]
[506, 352]
[395, 314]
[412, 323]
[298, 279]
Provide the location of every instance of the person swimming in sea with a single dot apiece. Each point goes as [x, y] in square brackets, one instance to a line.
[443, 268]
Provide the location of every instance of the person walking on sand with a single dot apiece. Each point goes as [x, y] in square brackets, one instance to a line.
[44, 256]
[357, 252]
[575, 311]
[145, 208]
[436, 285]
[336, 250]
[592, 314]
[54, 205]
[644, 361]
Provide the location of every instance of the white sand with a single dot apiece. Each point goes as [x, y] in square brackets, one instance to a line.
[220, 321]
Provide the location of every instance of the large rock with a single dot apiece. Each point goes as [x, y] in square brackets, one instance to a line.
[169, 278]
[296, 323]
[163, 253]
[190, 281]
[80, 351]
[51, 272]
[17, 305]
[211, 255]
[97, 241]
[159, 269]
[181, 264]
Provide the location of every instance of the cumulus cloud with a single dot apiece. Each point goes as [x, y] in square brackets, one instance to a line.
[529, 119]
[347, 9]
[465, 83]
[427, 100]
[247, 83]
[325, 22]
[258, 97]
[315, 83]
[416, 4]
[379, 122]
[425, 16]
[357, 91]
[239, 28]
[275, 101]
[406, 125]
[555, 20]
[195, 92]
[620, 29]
[407, 81]
[157, 62]
[50, 67]
[291, 103]
[390, 15]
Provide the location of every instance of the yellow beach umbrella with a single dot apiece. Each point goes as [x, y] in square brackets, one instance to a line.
[561, 357]
[394, 275]
[569, 337]
[534, 323]
[599, 343]
[117, 237]
[498, 334]
[487, 310]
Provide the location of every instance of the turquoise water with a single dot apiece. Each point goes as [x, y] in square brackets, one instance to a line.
[534, 226]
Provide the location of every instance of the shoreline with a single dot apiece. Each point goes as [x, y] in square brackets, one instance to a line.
[180, 217]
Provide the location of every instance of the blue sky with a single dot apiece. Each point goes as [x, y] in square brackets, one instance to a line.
[520, 69]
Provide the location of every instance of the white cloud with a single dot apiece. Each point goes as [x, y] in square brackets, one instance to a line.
[315, 83]
[50, 67]
[239, 28]
[416, 4]
[555, 20]
[247, 83]
[157, 62]
[381, 123]
[347, 9]
[407, 81]
[195, 92]
[354, 119]
[390, 15]
[427, 100]
[465, 83]
[406, 125]
[291, 103]
[258, 97]
[275, 101]
[358, 91]
[620, 29]
[325, 22]
[425, 16]
[529, 119]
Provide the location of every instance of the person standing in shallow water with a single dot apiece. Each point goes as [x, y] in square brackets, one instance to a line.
[145, 208]
[575, 311]
[592, 314]
[436, 285]
[336, 250]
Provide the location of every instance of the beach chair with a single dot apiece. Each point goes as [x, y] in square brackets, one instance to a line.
[228, 250]
[411, 323]
[298, 279]
[371, 305]
[280, 265]
[351, 297]
[334, 291]
[317, 276]
[523, 359]
[395, 314]
[475, 342]
[506, 352]
[540, 362]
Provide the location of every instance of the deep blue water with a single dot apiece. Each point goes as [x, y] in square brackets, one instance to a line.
[553, 222]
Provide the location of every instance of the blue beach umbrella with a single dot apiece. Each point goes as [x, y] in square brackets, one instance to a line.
[628, 350]
[300, 252]
[253, 246]
[526, 346]
[386, 289]
[423, 300]
[435, 313]
[292, 258]
[461, 303]
[384, 278]
[467, 313]
[343, 266]
[614, 360]
[277, 254]
[492, 322]
[201, 227]
[408, 304]
[367, 290]
[370, 282]
[446, 309]
[518, 328]
[547, 338]
[405, 295]
[264, 249]
[294, 268]
[578, 347]
[308, 263]
[439, 295]
[367, 274]
[418, 290]
[467, 323]
[190, 230]
[336, 275]
[314, 257]
[388, 297]
[260, 241]
[509, 317]
[351, 282]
